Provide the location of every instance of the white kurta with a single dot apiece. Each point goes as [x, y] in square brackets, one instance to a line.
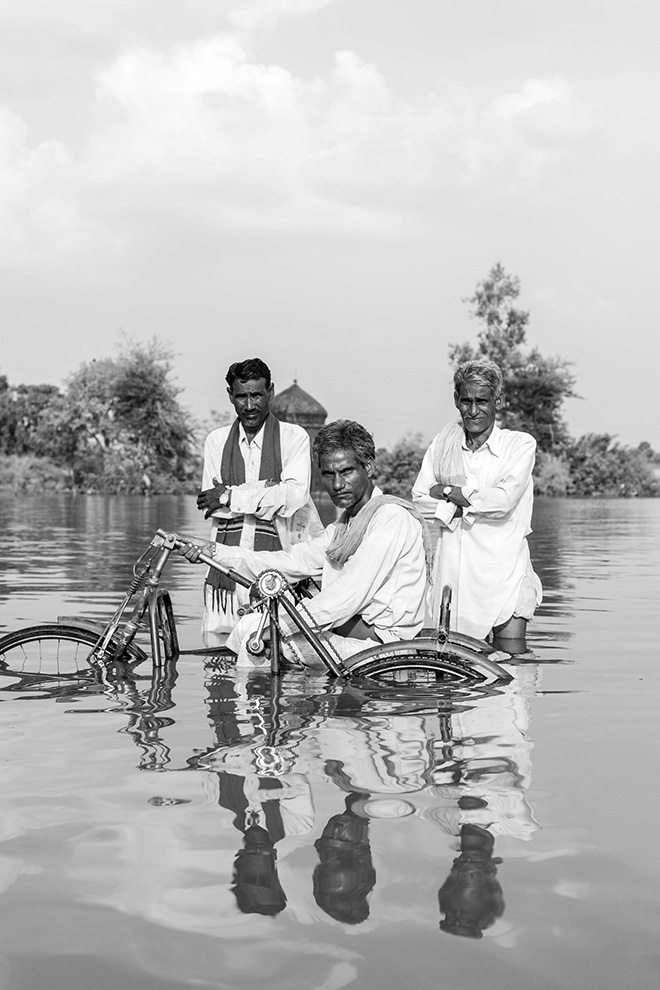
[384, 581]
[484, 555]
[254, 500]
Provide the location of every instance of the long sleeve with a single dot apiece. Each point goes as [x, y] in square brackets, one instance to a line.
[513, 473]
[292, 492]
[303, 560]
[254, 498]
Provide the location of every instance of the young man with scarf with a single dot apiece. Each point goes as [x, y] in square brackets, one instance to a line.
[476, 482]
[255, 485]
[373, 563]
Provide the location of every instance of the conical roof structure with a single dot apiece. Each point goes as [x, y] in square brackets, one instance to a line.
[294, 405]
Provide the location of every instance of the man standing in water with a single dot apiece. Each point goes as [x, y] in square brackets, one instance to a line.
[373, 562]
[476, 481]
[255, 485]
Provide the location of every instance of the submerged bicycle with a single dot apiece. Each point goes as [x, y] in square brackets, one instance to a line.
[80, 648]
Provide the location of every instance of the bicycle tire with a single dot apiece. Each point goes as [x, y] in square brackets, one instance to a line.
[448, 662]
[54, 650]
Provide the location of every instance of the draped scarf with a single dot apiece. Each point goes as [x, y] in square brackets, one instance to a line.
[349, 531]
[230, 528]
[448, 458]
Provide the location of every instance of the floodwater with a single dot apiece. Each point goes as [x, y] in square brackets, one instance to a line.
[210, 832]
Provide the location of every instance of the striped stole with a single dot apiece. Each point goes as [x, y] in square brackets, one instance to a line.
[230, 529]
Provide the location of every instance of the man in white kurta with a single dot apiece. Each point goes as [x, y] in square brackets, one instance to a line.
[383, 582]
[372, 563]
[483, 505]
[281, 504]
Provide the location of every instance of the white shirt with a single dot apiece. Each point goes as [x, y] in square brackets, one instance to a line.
[253, 499]
[384, 581]
[484, 554]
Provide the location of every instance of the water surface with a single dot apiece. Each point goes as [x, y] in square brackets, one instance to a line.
[145, 829]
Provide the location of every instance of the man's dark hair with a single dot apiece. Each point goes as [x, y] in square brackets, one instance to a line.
[344, 434]
[248, 371]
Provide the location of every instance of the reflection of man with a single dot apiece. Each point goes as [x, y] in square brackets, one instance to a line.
[255, 484]
[476, 481]
[471, 897]
[345, 875]
[372, 562]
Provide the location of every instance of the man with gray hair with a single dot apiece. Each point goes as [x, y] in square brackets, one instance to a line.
[373, 562]
[476, 482]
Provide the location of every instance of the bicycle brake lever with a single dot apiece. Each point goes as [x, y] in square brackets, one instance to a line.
[163, 539]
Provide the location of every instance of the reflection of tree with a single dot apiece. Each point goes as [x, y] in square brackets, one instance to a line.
[551, 547]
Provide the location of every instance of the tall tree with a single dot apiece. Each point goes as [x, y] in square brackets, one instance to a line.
[535, 386]
[120, 421]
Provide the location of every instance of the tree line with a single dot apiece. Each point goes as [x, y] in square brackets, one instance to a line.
[118, 425]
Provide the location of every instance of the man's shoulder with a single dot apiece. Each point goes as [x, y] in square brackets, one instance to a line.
[513, 438]
[294, 437]
[218, 435]
[391, 511]
[293, 429]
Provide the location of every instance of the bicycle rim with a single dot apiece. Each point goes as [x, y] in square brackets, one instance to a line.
[53, 651]
[425, 662]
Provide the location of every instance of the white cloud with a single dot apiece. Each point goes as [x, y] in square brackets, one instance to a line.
[204, 135]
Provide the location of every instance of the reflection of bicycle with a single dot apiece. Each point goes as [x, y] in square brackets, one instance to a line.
[79, 648]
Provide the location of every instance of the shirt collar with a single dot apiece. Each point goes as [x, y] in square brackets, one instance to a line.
[494, 442]
[256, 440]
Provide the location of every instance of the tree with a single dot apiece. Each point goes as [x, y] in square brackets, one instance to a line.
[21, 410]
[396, 470]
[599, 466]
[126, 420]
[118, 425]
[535, 386]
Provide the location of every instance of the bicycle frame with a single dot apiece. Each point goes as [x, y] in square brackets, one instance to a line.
[271, 586]
[157, 604]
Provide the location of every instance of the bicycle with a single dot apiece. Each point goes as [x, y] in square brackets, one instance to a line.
[75, 648]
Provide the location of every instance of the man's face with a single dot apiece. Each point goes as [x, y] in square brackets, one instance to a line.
[347, 482]
[478, 408]
[251, 400]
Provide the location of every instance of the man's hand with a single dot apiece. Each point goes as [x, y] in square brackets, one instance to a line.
[209, 500]
[192, 552]
[455, 496]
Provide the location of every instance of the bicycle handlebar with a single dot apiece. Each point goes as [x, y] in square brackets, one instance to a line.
[173, 541]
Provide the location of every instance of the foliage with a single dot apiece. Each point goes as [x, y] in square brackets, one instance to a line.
[551, 475]
[535, 386]
[396, 470]
[25, 473]
[21, 410]
[117, 426]
[599, 466]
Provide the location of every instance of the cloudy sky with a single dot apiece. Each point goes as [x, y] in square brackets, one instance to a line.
[321, 183]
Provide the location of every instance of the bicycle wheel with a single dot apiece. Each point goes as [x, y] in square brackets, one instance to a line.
[425, 661]
[54, 651]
